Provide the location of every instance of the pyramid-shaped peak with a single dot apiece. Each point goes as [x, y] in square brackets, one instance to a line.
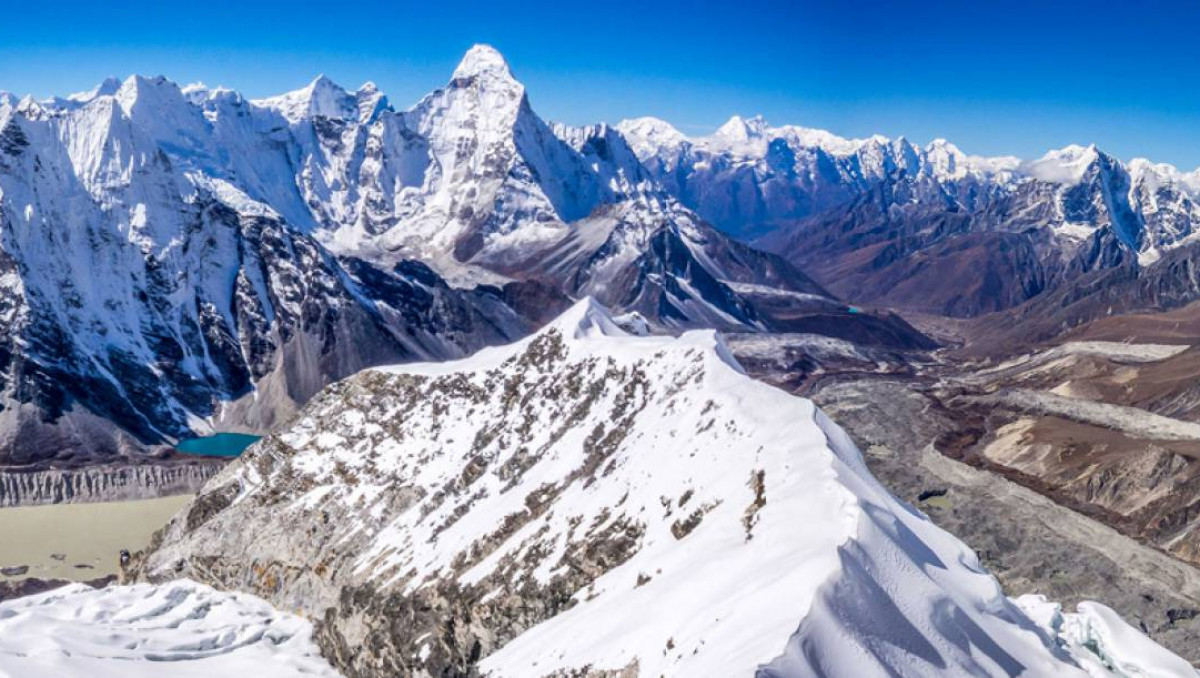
[1067, 165]
[587, 318]
[739, 128]
[482, 60]
[649, 126]
[321, 97]
[323, 81]
[322, 90]
[109, 87]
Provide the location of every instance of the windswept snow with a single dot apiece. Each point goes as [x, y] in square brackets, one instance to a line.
[181, 630]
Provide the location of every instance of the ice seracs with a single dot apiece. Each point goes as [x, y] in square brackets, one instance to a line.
[1102, 642]
[137, 631]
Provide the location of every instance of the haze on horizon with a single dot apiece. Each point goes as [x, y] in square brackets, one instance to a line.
[1011, 78]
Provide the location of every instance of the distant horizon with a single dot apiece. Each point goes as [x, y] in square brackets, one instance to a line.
[996, 79]
[695, 133]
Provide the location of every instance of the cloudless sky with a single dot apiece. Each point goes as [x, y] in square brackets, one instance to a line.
[1015, 77]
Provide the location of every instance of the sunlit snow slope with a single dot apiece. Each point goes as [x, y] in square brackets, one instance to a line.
[587, 500]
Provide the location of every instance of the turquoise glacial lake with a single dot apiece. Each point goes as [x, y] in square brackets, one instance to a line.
[217, 445]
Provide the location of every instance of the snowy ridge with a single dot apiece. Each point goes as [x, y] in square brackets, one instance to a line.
[750, 139]
[734, 521]
[1063, 166]
[168, 251]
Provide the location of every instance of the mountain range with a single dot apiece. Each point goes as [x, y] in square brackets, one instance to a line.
[171, 250]
[182, 259]
[928, 229]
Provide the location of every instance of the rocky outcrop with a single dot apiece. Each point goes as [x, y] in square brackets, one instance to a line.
[32, 586]
[105, 483]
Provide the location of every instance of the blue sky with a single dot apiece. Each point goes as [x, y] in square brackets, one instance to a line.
[1015, 77]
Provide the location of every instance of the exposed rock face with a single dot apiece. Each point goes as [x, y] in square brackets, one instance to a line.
[105, 483]
[509, 514]
[31, 586]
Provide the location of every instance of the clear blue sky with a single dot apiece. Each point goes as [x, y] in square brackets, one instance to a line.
[1014, 77]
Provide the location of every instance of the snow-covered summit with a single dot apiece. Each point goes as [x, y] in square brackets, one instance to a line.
[469, 180]
[948, 162]
[321, 97]
[160, 262]
[748, 176]
[483, 61]
[738, 133]
[1160, 174]
[748, 138]
[107, 87]
[648, 135]
[1066, 165]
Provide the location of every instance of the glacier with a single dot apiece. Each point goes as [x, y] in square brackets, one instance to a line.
[183, 629]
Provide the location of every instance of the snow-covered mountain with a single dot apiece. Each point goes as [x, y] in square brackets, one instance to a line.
[748, 176]
[473, 182]
[857, 213]
[144, 294]
[673, 517]
[178, 259]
